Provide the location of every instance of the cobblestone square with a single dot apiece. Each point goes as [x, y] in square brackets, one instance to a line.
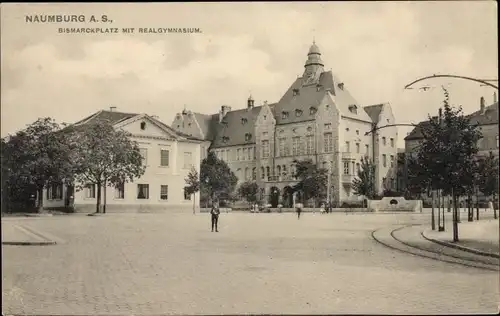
[258, 263]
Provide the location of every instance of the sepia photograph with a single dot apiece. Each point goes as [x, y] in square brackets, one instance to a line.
[250, 158]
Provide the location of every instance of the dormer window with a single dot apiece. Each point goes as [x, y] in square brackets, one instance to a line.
[244, 121]
[248, 137]
[298, 113]
[341, 86]
[143, 125]
[284, 114]
[225, 123]
[225, 139]
[295, 92]
[353, 109]
[318, 87]
[312, 110]
[189, 124]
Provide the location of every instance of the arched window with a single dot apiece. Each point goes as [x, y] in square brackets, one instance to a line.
[268, 172]
[262, 174]
[254, 174]
[278, 169]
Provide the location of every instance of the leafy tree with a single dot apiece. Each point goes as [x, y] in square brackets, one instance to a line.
[488, 176]
[105, 157]
[312, 180]
[216, 178]
[192, 184]
[37, 156]
[416, 177]
[447, 153]
[248, 190]
[364, 183]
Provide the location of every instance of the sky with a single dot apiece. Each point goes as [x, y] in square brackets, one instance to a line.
[375, 48]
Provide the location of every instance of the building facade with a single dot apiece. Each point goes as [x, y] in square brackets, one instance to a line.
[168, 155]
[316, 118]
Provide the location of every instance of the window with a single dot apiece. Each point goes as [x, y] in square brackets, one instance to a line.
[346, 167]
[238, 154]
[164, 158]
[254, 174]
[264, 134]
[328, 142]
[265, 149]
[357, 148]
[249, 153]
[164, 192]
[143, 191]
[357, 132]
[392, 161]
[188, 160]
[54, 191]
[347, 129]
[278, 169]
[312, 110]
[497, 141]
[298, 113]
[392, 142]
[244, 154]
[187, 195]
[284, 170]
[248, 136]
[347, 147]
[281, 146]
[143, 125]
[265, 117]
[367, 147]
[353, 109]
[254, 152]
[324, 165]
[90, 190]
[328, 126]
[295, 92]
[284, 115]
[341, 86]
[243, 121]
[268, 172]
[384, 160]
[262, 174]
[309, 144]
[296, 145]
[225, 139]
[384, 141]
[120, 191]
[246, 174]
[144, 154]
[358, 167]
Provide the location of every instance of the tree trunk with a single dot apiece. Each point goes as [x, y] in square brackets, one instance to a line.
[40, 200]
[470, 214]
[494, 208]
[98, 200]
[477, 205]
[459, 209]
[433, 219]
[194, 199]
[455, 218]
[105, 193]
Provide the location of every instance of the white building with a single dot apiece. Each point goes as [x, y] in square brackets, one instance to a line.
[168, 155]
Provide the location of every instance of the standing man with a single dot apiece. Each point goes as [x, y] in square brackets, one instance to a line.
[299, 209]
[215, 215]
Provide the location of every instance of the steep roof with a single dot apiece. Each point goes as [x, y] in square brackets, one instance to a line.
[234, 126]
[301, 97]
[490, 116]
[207, 124]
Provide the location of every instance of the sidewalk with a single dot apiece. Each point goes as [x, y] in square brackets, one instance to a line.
[479, 237]
[16, 235]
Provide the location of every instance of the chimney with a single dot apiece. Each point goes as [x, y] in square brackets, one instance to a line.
[223, 111]
[481, 101]
[112, 108]
[495, 97]
[250, 102]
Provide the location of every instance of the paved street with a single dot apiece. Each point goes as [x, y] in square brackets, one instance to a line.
[257, 263]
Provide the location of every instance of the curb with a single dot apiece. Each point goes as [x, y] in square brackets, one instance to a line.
[463, 248]
[422, 253]
[42, 240]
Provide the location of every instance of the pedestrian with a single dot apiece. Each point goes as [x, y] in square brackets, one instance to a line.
[490, 205]
[215, 216]
[299, 209]
[322, 210]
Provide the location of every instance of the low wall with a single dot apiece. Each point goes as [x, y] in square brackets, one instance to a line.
[395, 204]
[129, 208]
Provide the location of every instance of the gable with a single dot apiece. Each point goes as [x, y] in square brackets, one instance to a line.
[145, 126]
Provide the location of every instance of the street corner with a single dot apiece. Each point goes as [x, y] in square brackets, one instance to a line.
[21, 235]
[479, 237]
